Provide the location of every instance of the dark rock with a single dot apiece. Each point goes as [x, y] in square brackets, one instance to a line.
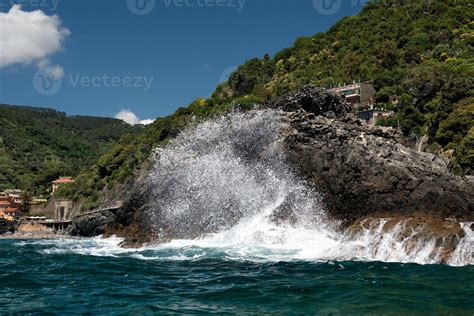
[125, 220]
[360, 170]
[6, 226]
[92, 224]
[412, 231]
[130, 221]
[363, 170]
[314, 100]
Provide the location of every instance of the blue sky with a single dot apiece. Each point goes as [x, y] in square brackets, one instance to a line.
[107, 57]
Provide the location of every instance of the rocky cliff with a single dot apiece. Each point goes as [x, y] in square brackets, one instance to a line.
[360, 171]
[6, 226]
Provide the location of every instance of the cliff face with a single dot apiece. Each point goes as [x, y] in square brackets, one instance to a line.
[363, 170]
[360, 171]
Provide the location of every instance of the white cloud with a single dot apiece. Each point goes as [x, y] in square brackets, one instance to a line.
[128, 117]
[146, 122]
[131, 118]
[31, 37]
[55, 72]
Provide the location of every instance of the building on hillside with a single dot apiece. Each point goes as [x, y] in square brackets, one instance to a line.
[4, 205]
[13, 192]
[13, 195]
[55, 209]
[3, 215]
[12, 212]
[38, 202]
[10, 205]
[372, 116]
[63, 209]
[359, 95]
[9, 201]
[58, 182]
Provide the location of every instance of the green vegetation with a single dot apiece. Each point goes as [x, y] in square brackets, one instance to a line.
[420, 52]
[25, 202]
[38, 145]
[118, 164]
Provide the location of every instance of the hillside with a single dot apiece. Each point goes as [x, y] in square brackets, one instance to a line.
[38, 145]
[421, 53]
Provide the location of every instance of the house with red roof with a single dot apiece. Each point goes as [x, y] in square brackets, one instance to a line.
[12, 211]
[61, 181]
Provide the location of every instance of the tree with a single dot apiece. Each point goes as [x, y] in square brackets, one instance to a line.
[25, 202]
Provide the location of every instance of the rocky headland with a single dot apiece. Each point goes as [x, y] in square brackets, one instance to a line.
[362, 169]
[362, 172]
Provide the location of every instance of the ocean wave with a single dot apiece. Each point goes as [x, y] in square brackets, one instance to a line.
[258, 239]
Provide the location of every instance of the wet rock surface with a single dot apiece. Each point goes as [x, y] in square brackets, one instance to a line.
[6, 226]
[93, 224]
[314, 100]
[361, 171]
[411, 233]
[121, 215]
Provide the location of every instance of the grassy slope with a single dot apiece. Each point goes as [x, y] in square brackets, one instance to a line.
[421, 53]
[38, 145]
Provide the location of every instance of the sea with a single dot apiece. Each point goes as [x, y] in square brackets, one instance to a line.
[96, 276]
[220, 193]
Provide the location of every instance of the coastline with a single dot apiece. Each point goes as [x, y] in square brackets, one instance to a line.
[33, 236]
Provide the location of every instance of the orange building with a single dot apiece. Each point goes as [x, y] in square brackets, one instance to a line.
[4, 205]
[12, 211]
[63, 180]
[9, 201]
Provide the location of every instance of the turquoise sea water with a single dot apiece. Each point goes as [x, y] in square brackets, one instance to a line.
[77, 277]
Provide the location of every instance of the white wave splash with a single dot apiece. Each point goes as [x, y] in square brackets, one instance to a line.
[224, 190]
[464, 253]
[259, 239]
